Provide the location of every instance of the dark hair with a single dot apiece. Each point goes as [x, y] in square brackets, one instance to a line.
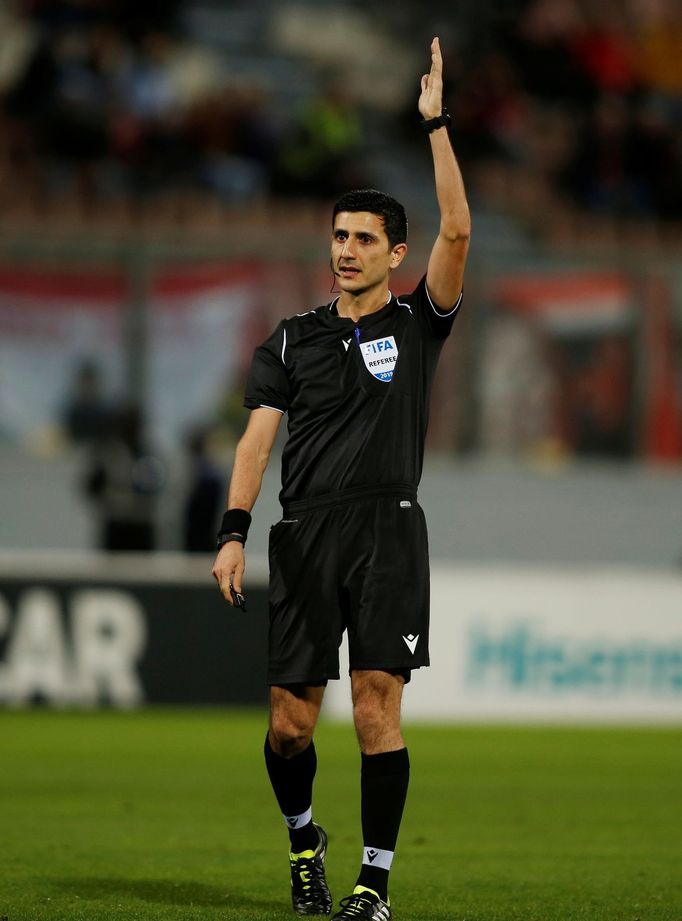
[388, 209]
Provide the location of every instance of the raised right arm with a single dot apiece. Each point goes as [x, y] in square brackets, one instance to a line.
[251, 459]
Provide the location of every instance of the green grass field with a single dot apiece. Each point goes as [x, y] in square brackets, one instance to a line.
[167, 814]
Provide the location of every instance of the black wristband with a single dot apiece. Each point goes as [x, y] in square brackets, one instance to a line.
[235, 521]
[430, 124]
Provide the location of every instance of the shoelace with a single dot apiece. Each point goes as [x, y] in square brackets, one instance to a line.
[357, 904]
[309, 872]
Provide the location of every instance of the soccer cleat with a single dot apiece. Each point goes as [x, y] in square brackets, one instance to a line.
[309, 891]
[364, 903]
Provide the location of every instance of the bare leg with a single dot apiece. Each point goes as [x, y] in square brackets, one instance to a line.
[294, 711]
[376, 710]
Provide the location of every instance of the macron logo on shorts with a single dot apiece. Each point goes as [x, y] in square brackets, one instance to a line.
[411, 641]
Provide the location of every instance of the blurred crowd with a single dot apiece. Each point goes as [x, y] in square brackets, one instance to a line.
[108, 101]
[556, 104]
[578, 104]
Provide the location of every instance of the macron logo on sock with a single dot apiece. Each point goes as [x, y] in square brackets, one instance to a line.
[376, 857]
[298, 821]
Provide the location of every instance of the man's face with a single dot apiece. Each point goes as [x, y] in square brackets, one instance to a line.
[361, 254]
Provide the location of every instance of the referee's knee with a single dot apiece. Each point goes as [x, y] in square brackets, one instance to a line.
[289, 736]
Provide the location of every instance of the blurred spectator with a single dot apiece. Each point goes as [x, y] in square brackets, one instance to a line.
[603, 401]
[205, 497]
[599, 176]
[318, 158]
[604, 49]
[74, 128]
[235, 138]
[657, 46]
[490, 109]
[656, 156]
[542, 48]
[596, 395]
[124, 482]
[86, 413]
[161, 155]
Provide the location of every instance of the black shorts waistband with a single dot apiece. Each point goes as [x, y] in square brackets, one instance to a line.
[300, 506]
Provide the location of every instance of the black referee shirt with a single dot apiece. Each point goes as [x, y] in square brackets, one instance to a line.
[357, 394]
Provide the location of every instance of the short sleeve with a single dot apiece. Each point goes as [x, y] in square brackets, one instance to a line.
[268, 384]
[438, 319]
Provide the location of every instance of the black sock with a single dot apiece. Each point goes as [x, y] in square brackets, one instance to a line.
[292, 781]
[383, 783]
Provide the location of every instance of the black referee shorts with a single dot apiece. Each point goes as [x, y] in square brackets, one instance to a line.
[355, 561]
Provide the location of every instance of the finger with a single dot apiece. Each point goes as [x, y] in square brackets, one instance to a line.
[222, 577]
[425, 83]
[237, 579]
[436, 57]
[226, 593]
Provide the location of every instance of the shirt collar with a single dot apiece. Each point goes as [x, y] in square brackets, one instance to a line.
[333, 309]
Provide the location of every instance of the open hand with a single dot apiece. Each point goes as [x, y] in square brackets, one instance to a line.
[431, 99]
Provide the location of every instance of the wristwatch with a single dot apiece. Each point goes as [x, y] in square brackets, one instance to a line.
[430, 124]
[228, 538]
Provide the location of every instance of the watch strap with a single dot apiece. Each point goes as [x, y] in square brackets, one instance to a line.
[440, 121]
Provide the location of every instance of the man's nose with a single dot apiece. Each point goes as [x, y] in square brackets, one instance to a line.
[347, 249]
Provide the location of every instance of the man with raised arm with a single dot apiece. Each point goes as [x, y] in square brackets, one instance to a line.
[350, 552]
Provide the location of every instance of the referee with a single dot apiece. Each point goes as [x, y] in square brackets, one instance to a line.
[350, 552]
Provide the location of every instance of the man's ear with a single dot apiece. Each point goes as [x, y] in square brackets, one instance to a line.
[398, 254]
